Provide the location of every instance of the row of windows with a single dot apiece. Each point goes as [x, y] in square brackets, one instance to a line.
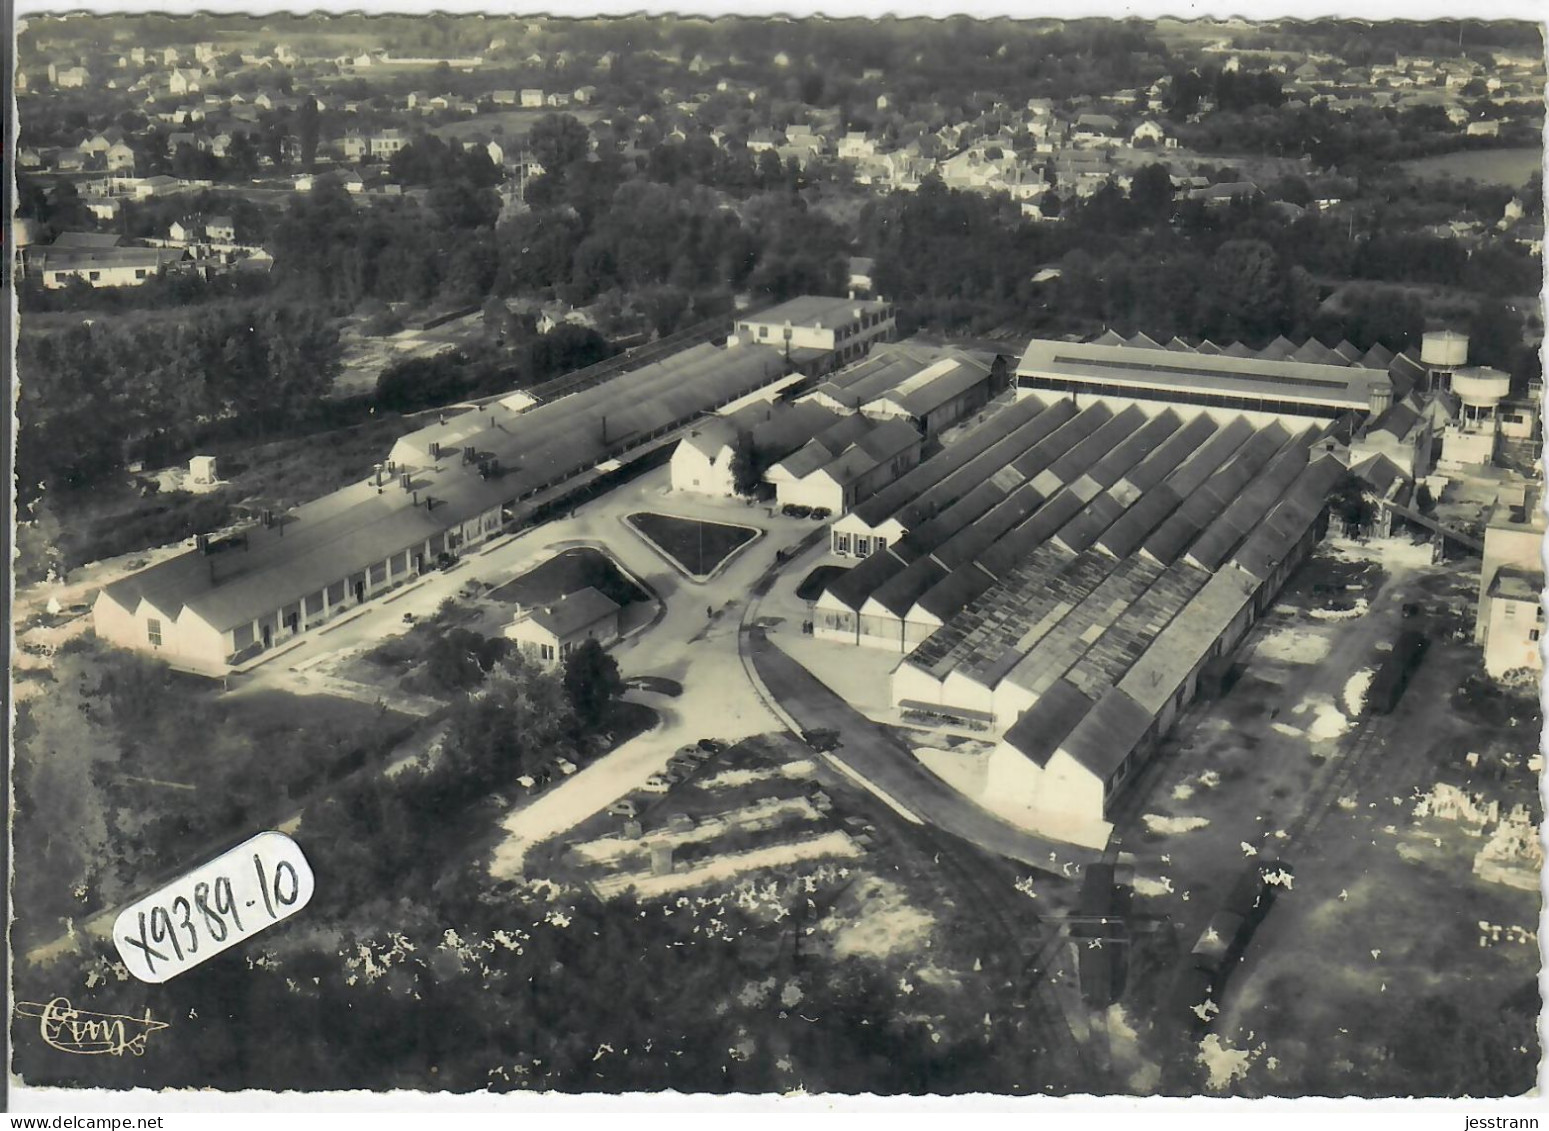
[1171, 396]
[862, 545]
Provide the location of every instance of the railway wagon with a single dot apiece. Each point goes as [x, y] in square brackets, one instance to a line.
[1387, 686]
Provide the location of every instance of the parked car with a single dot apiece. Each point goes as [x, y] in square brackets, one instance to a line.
[565, 766]
[821, 740]
[697, 757]
[711, 745]
[820, 513]
[656, 783]
[527, 782]
[625, 807]
[795, 510]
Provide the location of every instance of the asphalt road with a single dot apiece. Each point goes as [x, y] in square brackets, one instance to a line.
[875, 755]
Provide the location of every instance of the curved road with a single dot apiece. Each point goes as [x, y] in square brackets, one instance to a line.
[873, 754]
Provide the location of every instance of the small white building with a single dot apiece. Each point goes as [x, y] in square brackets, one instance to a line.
[1514, 622]
[532, 99]
[551, 632]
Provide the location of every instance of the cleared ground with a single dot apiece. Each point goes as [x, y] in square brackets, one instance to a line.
[1385, 908]
[1496, 166]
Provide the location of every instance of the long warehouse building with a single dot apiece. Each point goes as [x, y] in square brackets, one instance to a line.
[443, 488]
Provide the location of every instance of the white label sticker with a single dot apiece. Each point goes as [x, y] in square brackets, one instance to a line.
[214, 907]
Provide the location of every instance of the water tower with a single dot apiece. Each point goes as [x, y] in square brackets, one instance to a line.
[1441, 353]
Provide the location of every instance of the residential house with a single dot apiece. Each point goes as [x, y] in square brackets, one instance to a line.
[104, 266]
[185, 230]
[855, 145]
[532, 98]
[584, 95]
[762, 139]
[557, 99]
[1151, 133]
[1095, 130]
[102, 207]
[220, 229]
[386, 143]
[504, 98]
[71, 78]
[354, 147]
[184, 81]
[1490, 128]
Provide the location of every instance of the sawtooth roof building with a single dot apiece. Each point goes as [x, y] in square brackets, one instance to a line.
[1067, 575]
[1280, 380]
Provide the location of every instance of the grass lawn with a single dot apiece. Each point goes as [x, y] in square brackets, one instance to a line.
[569, 572]
[1495, 166]
[812, 586]
[695, 547]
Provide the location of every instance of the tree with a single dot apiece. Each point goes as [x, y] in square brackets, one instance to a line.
[745, 472]
[1151, 191]
[1244, 296]
[557, 141]
[592, 682]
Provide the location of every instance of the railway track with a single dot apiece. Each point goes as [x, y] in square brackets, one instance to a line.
[1030, 955]
[629, 360]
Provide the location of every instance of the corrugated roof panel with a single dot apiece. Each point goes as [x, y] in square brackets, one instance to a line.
[903, 490]
[1211, 455]
[1102, 441]
[1182, 444]
[859, 582]
[1058, 443]
[1248, 508]
[956, 485]
[1190, 636]
[1127, 533]
[1108, 734]
[1086, 527]
[1039, 528]
[1037, 734]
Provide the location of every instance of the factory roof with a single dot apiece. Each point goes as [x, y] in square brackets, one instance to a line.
[817, 311]
[331, 538]
[1266, 375]
[1037, 734]
[903, 490]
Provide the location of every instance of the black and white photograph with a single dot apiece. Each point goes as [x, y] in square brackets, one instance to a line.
[808, 555]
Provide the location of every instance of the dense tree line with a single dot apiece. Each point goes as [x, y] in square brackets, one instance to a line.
[94, 395]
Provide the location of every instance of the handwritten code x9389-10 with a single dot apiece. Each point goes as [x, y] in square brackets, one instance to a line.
[214, 907]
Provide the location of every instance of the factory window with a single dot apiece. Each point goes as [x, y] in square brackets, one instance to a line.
[153, 631]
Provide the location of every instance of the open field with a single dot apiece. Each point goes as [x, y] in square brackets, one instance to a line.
[509, 123]
[1495, 166]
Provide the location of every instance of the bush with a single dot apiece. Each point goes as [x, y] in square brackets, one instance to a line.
[163, 519]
